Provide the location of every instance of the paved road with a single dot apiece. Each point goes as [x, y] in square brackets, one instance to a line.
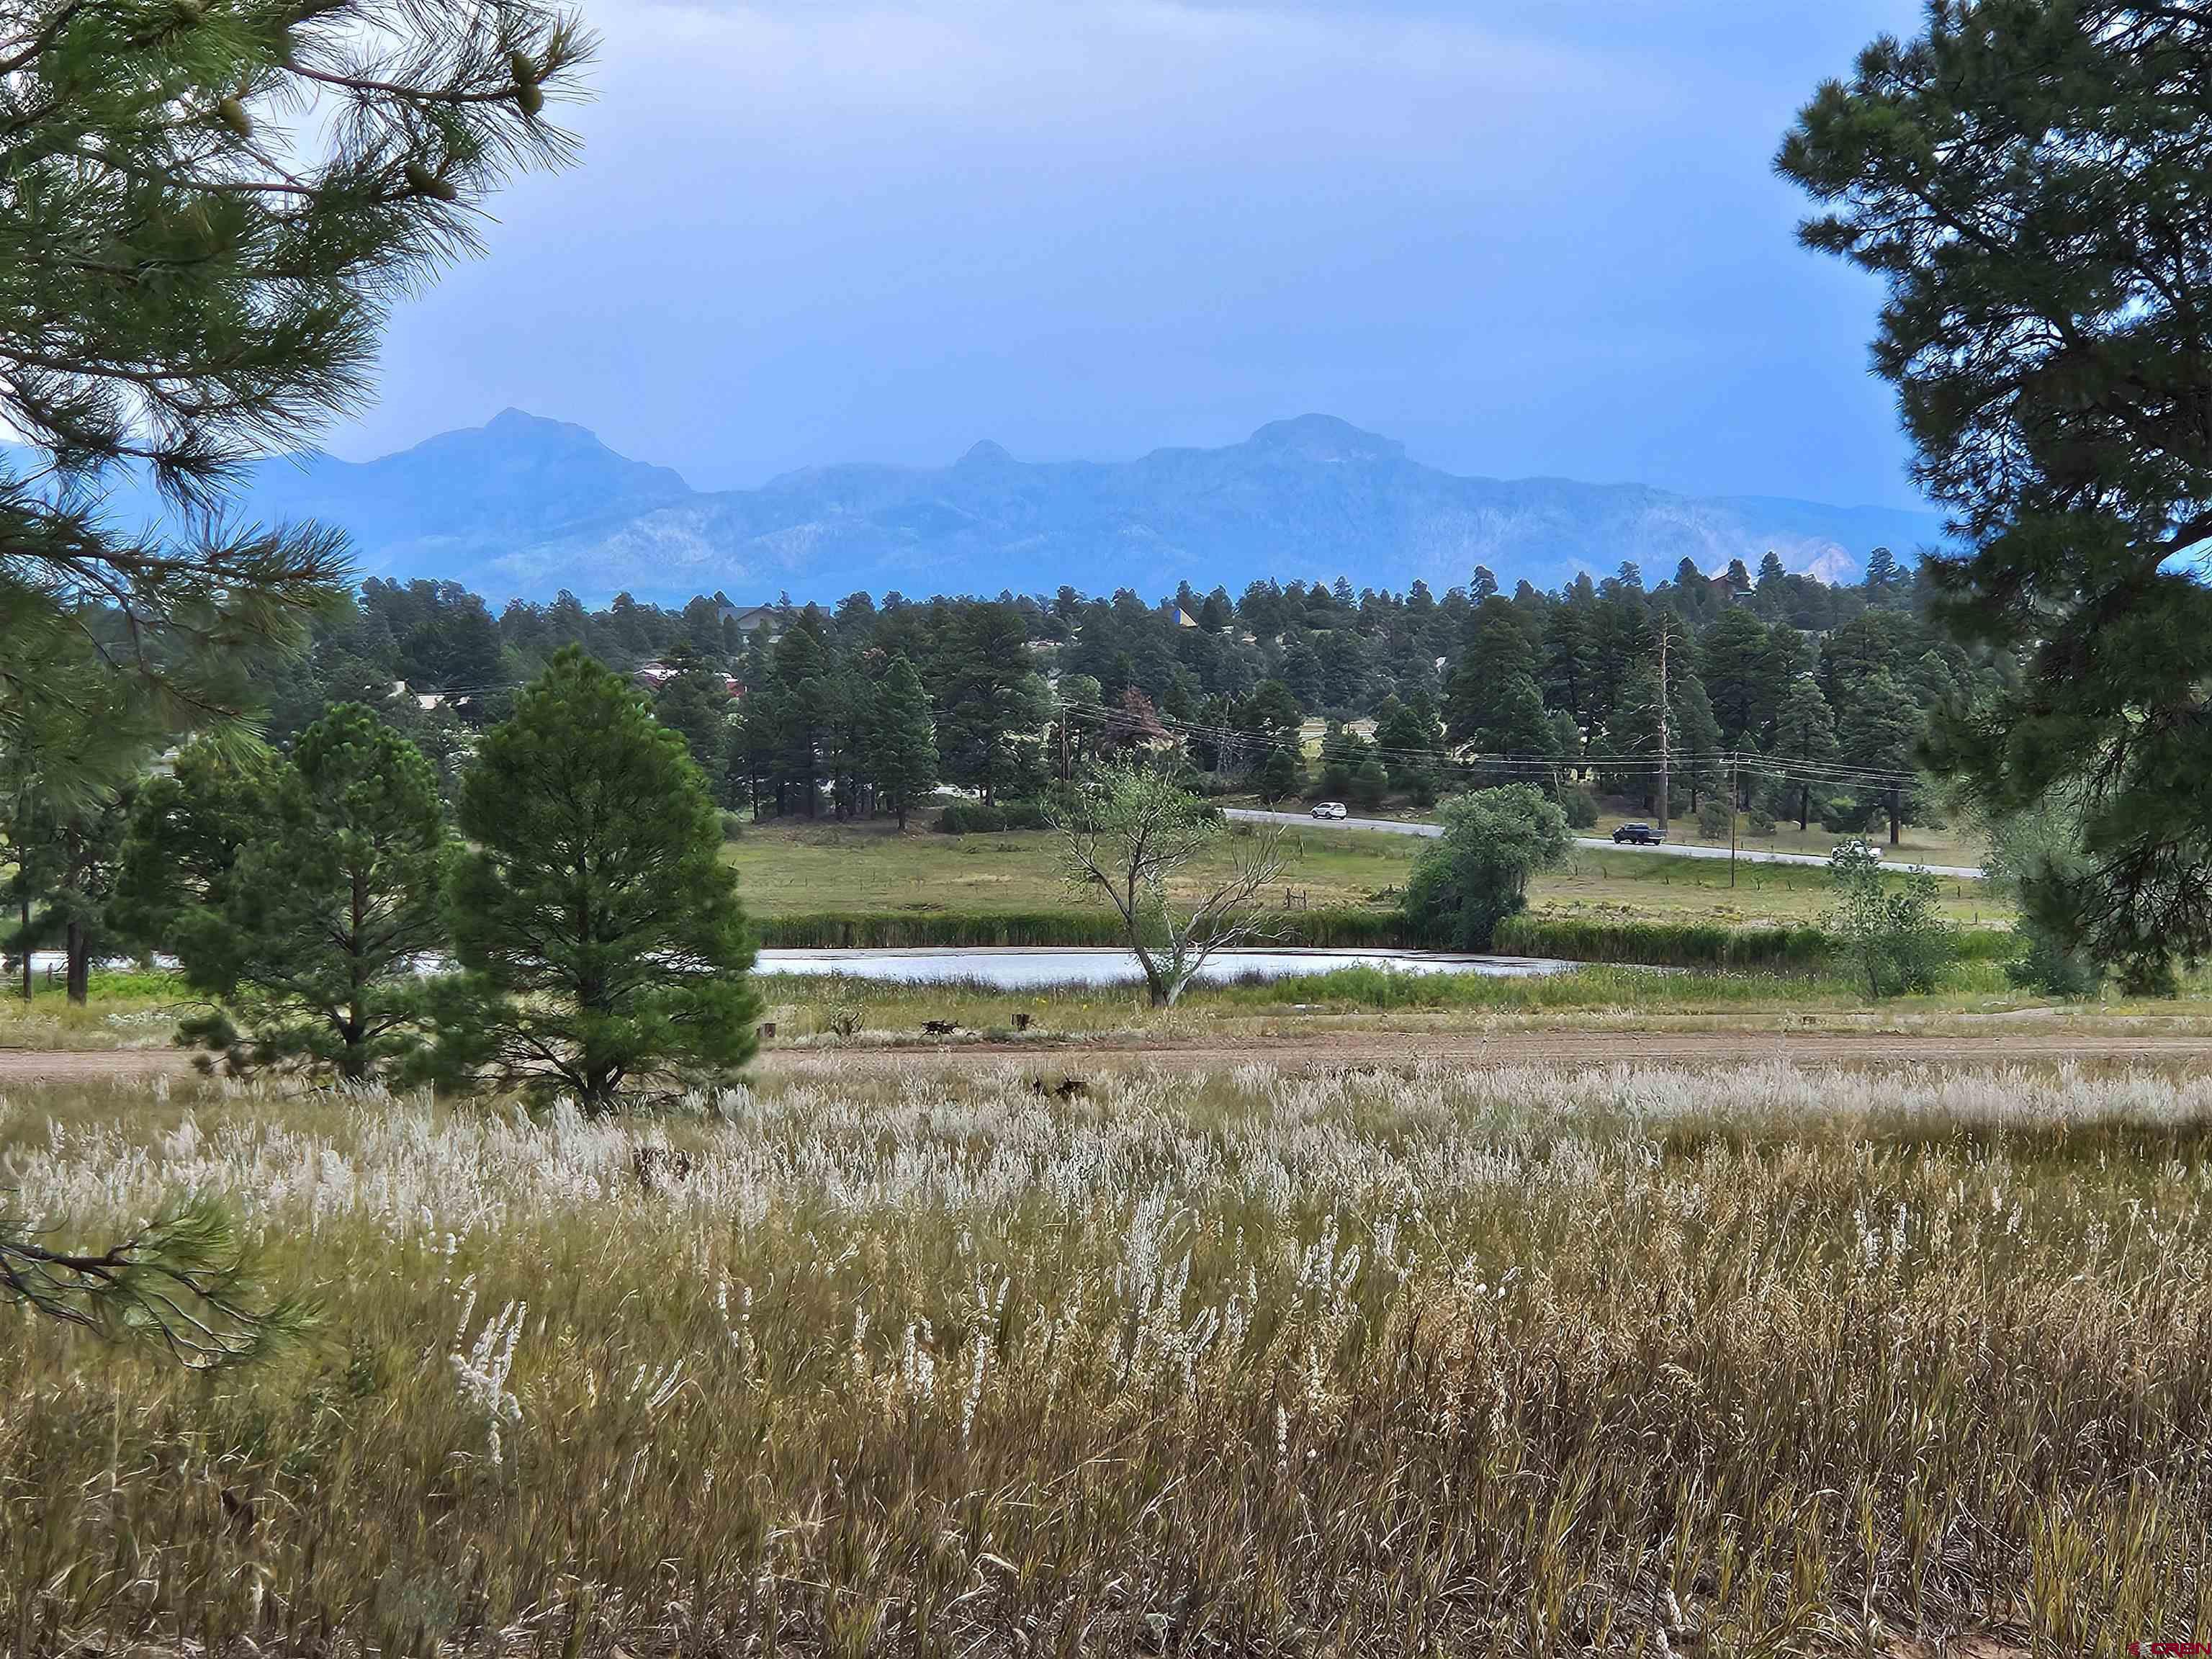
[1678, 850]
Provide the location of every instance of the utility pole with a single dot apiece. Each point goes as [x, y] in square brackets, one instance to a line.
[1734, 756]
[1662, 725]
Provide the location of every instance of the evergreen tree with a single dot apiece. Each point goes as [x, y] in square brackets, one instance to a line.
[69, 764]
[316, 947]
[600, 932]
[1369, 782]
[1570, 677]
[1770, 570]
[1736, 662]
[902, 747]
[1695, 738]
[1940, 680]
[1878, 731]
[802, 709]
[1410, 750]
[171, 295]
[989, 698]
[2024, 179]
[1340, 754]
[1804, 733]
[1498, 655]
[694, 702]
[1522, 727]
[180, 851]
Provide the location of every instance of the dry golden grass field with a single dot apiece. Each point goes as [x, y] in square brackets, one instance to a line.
[883, 1357]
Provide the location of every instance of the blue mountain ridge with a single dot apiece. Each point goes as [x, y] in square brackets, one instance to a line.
[523, 506]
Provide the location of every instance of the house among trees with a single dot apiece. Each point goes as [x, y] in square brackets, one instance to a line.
[652, 676]
[761, 619]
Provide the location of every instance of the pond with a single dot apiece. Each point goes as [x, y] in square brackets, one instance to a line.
[1026, 969]
[1030, 968]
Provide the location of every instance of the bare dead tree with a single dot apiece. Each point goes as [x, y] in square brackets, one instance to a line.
[1128, 833]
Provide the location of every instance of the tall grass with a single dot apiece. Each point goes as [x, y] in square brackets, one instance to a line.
[1655, 942]
[893, 929]
[125, 1008]
[1752, 1360]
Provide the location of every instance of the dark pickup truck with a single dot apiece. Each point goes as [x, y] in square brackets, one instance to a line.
[1638, 834]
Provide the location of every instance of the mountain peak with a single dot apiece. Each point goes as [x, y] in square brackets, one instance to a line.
[524, 505]
[1325, 438]
[511, 419]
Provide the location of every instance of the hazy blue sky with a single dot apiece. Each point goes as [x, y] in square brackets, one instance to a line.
[1541, 237]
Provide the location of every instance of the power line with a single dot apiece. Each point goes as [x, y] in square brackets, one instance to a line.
[1751, 760]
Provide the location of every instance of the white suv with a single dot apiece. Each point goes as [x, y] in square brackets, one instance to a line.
[1331, 809]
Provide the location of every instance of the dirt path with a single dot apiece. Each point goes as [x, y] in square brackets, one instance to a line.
[1362, 1049]
[1537, 1048]
[71, 1065]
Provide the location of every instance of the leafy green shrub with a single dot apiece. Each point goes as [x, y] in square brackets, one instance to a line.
[973, 817]
[2045, 964]
[838, 1011]
[1887, 930]
[1580, 805]
[1713, 818]
[1845, 815]
[1369, 783]
[1476, 874]
[1762, 821]
[734, 825]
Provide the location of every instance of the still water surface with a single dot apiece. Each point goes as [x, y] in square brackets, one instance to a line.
[1019, 969]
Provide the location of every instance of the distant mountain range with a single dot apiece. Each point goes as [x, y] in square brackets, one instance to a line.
[525, 507]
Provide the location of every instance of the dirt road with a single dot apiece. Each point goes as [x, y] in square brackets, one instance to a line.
[73, 1065]
[1575, 1049]
[1563, 1047]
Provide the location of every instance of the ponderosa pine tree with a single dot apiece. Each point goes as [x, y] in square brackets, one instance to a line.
[1736, 660]
[187, 829]
[2029, 180]
[173, 296]
[1804, 738]
[1878, 733]
[69, 761]
[903, 741]
[694, 702]
[603, 945]
[315, 954]
[1694, 738]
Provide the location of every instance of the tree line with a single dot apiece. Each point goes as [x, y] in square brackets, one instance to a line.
[863, 706]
